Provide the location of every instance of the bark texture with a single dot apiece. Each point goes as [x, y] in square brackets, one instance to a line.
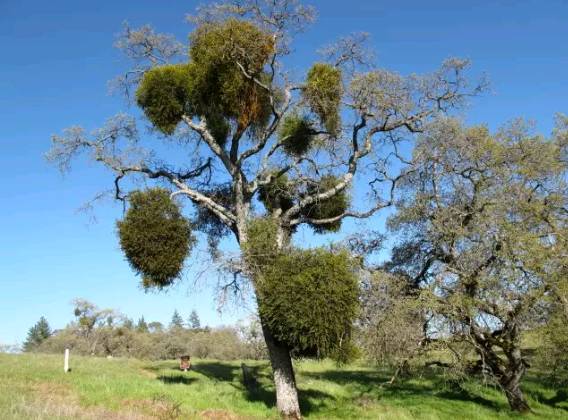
[284, 379]
[515, 396]
[508, 372]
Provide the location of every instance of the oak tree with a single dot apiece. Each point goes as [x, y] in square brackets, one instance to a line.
[263, 148]
[483, 219]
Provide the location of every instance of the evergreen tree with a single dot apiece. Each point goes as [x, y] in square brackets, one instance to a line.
[37, 334]
[193, 321]
[127, 323]
[177, 320]
[142, 326]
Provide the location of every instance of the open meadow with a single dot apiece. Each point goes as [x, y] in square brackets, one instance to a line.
[34, 386]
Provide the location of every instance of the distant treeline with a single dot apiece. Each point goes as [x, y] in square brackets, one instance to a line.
[105, 332]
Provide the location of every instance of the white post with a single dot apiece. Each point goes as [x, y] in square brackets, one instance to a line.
[66, 363]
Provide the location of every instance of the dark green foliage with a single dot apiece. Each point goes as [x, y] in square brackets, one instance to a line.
[155, 237]
[218, 127]
[297, 134]
[37, 334]
[309, 300]
[261, 248]
[324, 209]
[323, 91]
[277, 194]
[163, 94]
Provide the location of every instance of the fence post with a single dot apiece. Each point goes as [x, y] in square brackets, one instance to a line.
[66, 362]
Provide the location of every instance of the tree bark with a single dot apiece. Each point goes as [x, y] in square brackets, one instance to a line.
[287, 401]
[507, 373]
[511, 381]
[284, 379]
[515, 396]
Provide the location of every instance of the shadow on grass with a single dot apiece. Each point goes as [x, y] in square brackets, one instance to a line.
[460, 394]
[560, 397]
[365, 381]
[217, 371]
[374, 382]
[176, 379]
[310, 400]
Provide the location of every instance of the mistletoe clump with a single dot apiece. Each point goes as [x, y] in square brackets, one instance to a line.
[227, 57]
[296, 134]
[309, 299]
[277, 194]
[155, 237]
[218, 83]
[163, 94]
[323, 91]
[326, 208]
[261, 246]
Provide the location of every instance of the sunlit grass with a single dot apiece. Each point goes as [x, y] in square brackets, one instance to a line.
[35, 386]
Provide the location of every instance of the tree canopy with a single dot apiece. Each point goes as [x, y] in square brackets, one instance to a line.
[483, 221]
[37, 334]
[261, 144]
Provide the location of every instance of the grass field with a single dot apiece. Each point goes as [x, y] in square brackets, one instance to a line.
[35, 387]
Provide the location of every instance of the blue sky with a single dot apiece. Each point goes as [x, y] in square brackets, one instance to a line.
[57, 57]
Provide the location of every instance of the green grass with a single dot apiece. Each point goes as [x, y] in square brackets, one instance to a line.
[35, 386]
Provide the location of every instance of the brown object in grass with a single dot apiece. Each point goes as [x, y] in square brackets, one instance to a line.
[185, 363]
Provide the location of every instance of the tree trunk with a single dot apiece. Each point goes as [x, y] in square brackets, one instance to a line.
[284, 379]
[287, 401]
[511, 382]
[507, 373]
[515, 396]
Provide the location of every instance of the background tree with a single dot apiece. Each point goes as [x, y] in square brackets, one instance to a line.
[37, 334]
[89, 317]
[483, 220]
[193, 321]
[552, 334]
[391, 321]
[261, 144]
[177, 320]
[117, 339]
[142, 325]
[250, 332]
[155, 326]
